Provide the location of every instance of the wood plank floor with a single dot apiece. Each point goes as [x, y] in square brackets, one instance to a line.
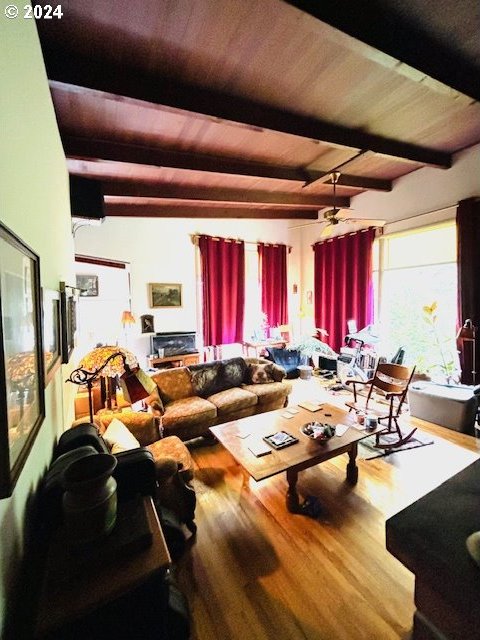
[256, 571]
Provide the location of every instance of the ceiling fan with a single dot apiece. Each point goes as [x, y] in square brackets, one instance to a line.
[331, 215]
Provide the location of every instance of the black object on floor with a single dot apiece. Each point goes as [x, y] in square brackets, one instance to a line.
[173, 532]
[311, 507]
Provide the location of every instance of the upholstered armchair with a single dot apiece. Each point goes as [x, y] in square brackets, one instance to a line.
[170, 459]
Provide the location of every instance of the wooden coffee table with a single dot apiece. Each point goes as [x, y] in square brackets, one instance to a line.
[238, 435]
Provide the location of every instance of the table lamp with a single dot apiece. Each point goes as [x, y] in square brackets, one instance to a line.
[108, 362]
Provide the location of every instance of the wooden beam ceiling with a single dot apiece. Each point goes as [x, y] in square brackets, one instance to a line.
[214, 194]
[399, 37]
[138, 210]
[89, 149]
[71, 68]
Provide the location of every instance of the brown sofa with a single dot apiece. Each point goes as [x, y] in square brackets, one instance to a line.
[192, 399]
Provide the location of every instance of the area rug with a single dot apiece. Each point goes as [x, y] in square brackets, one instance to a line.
[368, 451]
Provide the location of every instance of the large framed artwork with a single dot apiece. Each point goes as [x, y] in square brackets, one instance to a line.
[52, 345]
[165, 295]
[68, 319]
[22, 402]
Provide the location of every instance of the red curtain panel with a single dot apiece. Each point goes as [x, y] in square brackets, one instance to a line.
[223, 281]
[343, 284]
[273, 278]
[468, 258]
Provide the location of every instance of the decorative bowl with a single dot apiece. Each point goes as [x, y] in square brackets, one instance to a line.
[319, 431]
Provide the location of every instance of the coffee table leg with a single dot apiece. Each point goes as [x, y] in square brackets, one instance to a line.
[293, 502]
[352, 469]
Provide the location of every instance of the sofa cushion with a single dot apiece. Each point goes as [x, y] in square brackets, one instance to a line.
[233, 400]
[267, 393]
[207, 378]
[119, 438]
[188, 412]
[174, 384]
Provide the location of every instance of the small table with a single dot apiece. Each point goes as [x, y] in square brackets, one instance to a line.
[236, 437]
[260, 346]
[68, 596]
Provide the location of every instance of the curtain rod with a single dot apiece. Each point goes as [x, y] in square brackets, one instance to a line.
[378, 232]
[196, 236]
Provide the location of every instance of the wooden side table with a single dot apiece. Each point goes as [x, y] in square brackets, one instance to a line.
[174, 361]
[259, 347]
[69, 596]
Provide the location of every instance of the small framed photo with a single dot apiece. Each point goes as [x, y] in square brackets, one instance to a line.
[165, 295]
[88, 286]
[147, 323]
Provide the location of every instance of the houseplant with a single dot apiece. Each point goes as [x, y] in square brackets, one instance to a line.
[441, 348]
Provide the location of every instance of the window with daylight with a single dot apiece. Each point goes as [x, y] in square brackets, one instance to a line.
[413, 270]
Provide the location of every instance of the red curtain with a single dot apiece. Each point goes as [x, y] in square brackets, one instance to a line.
[273, 278]
[343, 284]
[468, 257]
[223, 278]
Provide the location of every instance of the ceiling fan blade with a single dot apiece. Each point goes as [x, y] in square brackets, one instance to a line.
[366, 221]
[326, 231]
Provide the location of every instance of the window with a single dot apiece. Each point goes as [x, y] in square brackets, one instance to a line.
[411, 271]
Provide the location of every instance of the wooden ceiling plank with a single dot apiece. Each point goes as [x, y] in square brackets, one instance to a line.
[132, 83]
[172, 191]
[89, 149]
[400, 39]
[162, 211]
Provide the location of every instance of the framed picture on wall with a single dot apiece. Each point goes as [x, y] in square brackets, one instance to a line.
[165, 295]
[68, 319]
[22, 403]
[51, 333]
[87, 285]
[147, 323]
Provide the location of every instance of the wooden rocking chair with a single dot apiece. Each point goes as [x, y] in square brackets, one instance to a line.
[393, 381]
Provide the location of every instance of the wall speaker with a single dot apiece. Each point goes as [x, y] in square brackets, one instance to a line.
[86, 198]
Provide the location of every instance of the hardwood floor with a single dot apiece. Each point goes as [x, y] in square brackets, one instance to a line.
[256, 571]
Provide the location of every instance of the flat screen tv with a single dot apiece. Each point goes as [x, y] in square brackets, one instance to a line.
[174, 343]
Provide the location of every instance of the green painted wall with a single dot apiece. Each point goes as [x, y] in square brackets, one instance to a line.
[34, 203]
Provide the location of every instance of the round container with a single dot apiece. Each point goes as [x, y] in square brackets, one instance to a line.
[305, 371]
[371, 423]
[90, 498]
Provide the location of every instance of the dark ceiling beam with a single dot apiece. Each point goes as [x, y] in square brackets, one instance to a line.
[70, 68]
[380, 26]
[90, 149]
[215, 194]
[115, 209]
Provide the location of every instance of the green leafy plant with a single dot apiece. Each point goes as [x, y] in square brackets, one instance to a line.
[441, 345]
[309, 346]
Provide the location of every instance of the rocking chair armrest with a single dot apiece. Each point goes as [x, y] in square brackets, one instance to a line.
[354, 382]
[394, 394]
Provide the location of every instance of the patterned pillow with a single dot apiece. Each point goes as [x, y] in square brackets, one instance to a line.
[207, 378]
[261, 373]
[234, 370]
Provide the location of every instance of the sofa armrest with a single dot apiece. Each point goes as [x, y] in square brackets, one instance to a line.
[135, 473]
